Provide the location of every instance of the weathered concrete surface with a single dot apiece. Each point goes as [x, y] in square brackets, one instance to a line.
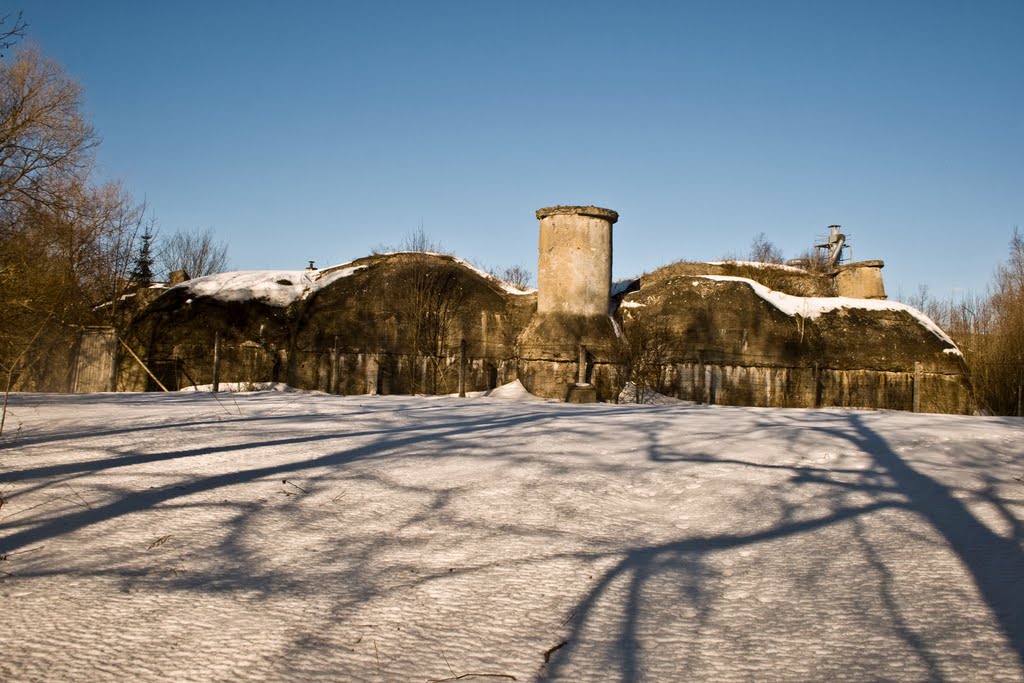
[96, 361]
[574, 265]
[782, 279]
[724, 344]
[581, 393]
[860, 280]
[394, 326]
[574, 278]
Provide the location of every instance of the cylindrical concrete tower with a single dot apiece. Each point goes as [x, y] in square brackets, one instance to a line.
[571, 342]
[574, 265]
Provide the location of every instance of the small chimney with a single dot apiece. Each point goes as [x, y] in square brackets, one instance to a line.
[311, 266]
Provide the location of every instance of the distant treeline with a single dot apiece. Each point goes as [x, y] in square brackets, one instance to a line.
[989, 329]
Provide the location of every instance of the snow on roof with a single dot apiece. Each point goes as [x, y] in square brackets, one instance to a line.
[284, 287]
[274, 287]
[812, 307]
[758, 264]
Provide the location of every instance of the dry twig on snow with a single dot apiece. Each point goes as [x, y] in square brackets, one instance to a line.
[159, 542]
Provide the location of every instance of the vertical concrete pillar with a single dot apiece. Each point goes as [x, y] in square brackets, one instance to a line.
[574, 264]
[581, 377]
[335, 360]
[462, 369]
[918, 385]
[372, 373]
[702, 385]
[216, 362]
[574, 274]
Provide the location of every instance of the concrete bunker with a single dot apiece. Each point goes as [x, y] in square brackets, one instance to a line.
[725, 332]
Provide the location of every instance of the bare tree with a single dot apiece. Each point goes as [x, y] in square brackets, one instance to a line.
[645, 352]
[812, 260]
[762, 250]
[66, 242]
[516, 275]
[987, 328]
[425, 298]
[417, 240]
[996, 353]
[922, 300]
[197, 252]
[435, 299]
[63, 267]
[43, 134]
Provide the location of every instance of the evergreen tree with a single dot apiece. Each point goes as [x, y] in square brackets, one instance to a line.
[142, 271]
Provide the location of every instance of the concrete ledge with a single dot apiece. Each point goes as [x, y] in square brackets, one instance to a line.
[594, 211]
[876, 263]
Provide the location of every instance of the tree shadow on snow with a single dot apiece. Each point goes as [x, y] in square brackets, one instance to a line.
[846, 497]
[995, 563]
[388, 441]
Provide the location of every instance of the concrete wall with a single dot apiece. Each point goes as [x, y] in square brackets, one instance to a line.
[552, 378]
[396, 373]
[809, 387]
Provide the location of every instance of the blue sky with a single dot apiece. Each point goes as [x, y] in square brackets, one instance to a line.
[318, 130]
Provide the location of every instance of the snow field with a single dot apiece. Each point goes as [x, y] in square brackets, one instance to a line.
[297, 536]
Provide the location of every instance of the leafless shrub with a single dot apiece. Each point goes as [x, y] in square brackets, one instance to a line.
[812, 260]
[763, 250]
[416, 240]
[516, 275]
[197, 252]
[425, 298]
[644, 352]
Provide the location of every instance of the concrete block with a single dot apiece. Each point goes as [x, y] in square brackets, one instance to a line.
[581, 393]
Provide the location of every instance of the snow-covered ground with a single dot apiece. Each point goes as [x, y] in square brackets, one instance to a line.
[295, 536]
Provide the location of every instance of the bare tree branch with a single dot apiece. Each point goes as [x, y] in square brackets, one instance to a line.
[197, 252]
[10, 36]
